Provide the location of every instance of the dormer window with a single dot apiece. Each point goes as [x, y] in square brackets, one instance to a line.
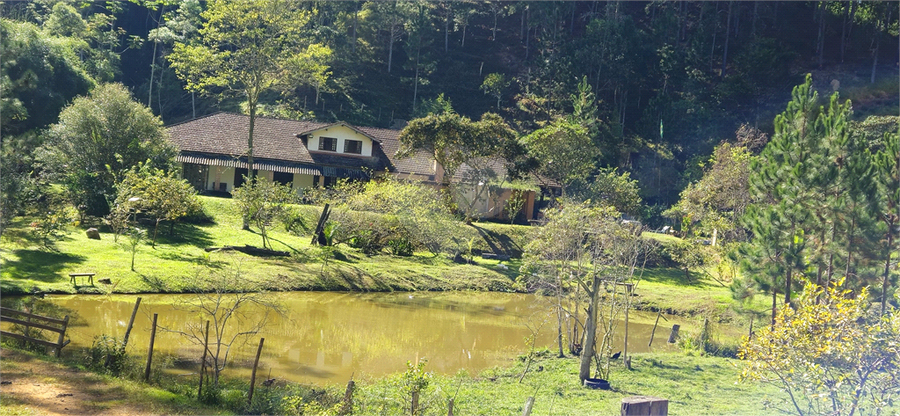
[328, 144]
[353, 146]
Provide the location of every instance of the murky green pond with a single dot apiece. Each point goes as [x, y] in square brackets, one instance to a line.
[327, 337]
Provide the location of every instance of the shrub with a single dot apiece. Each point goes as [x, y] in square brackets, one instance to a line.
[107, 355]
[400, 246]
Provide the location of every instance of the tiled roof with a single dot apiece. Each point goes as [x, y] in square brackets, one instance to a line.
[276, 139]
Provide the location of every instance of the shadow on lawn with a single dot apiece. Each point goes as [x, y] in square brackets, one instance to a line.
[499, 243]
[183, 234]
[673, 276]
[39, 264]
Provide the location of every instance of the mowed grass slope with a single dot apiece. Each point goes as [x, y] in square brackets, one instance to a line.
[693, 385]
[173, 264]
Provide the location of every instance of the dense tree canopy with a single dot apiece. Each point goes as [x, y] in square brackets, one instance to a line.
[97, 138]
[39, 74]
[246, 48]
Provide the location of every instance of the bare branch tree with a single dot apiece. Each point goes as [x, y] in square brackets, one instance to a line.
[236, 307]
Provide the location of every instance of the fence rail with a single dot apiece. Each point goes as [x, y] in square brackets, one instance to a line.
[44, 322]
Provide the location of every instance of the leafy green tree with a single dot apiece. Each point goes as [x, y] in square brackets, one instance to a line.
[163, 196]
[98, 138]
[39, 75]
[615, 189]
[453, 139]
[564, 151]
[135, 237]
[66, 21]
[718, 200]
[827, 354]
[262, 202]
[244, 48]
[589, 247]
[495, 85]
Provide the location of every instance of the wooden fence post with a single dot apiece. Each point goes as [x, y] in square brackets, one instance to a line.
[529, 403]
[150, 353]
[750, 334]
[652, 333]
[62, 334]
[203, 360]
[674, 334]
[130, 324]
[253, 374]
[347, 406]
[28, 321]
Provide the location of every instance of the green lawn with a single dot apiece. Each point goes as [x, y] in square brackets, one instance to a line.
[693, 385]
[172, 265]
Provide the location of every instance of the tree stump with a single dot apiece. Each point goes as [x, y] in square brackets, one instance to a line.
[645, 406]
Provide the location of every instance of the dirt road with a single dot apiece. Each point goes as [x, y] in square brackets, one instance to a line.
[32, 386]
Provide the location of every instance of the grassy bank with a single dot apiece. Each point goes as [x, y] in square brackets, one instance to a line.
[693, 385]
[173, 264]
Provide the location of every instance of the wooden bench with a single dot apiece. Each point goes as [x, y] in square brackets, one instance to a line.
[90, 277]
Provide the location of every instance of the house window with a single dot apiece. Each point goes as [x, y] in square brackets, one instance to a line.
[353, 146]
[283, 178]
[328, 144]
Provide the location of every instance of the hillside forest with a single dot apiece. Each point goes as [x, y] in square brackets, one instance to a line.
[680, 99]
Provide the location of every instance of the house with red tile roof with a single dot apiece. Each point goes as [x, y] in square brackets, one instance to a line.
[212, 151]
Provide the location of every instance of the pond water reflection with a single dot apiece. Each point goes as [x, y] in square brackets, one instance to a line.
[327, 337]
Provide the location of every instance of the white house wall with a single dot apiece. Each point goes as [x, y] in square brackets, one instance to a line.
[220, 174]
[302, 181]
[340, 133]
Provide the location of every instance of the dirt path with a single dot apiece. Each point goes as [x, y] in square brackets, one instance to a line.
[33, 386]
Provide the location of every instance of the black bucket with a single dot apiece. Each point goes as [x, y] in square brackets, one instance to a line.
[596, 383]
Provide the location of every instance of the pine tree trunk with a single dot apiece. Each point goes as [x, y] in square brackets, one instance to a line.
[463, 45]
[522, 24]
[830, 271]
[887, 262]
[416, 81]
[755, 16]
[820, 44]
[727, 32]
[712, 50]
[844, 29]
[355, 22]
[878, 44]
[153, 62]
[447, 32]
[391, 47]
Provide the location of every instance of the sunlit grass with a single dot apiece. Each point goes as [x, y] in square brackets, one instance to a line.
[171, 266]
[693, 385]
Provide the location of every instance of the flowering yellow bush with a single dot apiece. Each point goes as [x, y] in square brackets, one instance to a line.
[828, 353]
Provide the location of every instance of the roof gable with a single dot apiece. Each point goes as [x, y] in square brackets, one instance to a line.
[225, 134]
[340, 124]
